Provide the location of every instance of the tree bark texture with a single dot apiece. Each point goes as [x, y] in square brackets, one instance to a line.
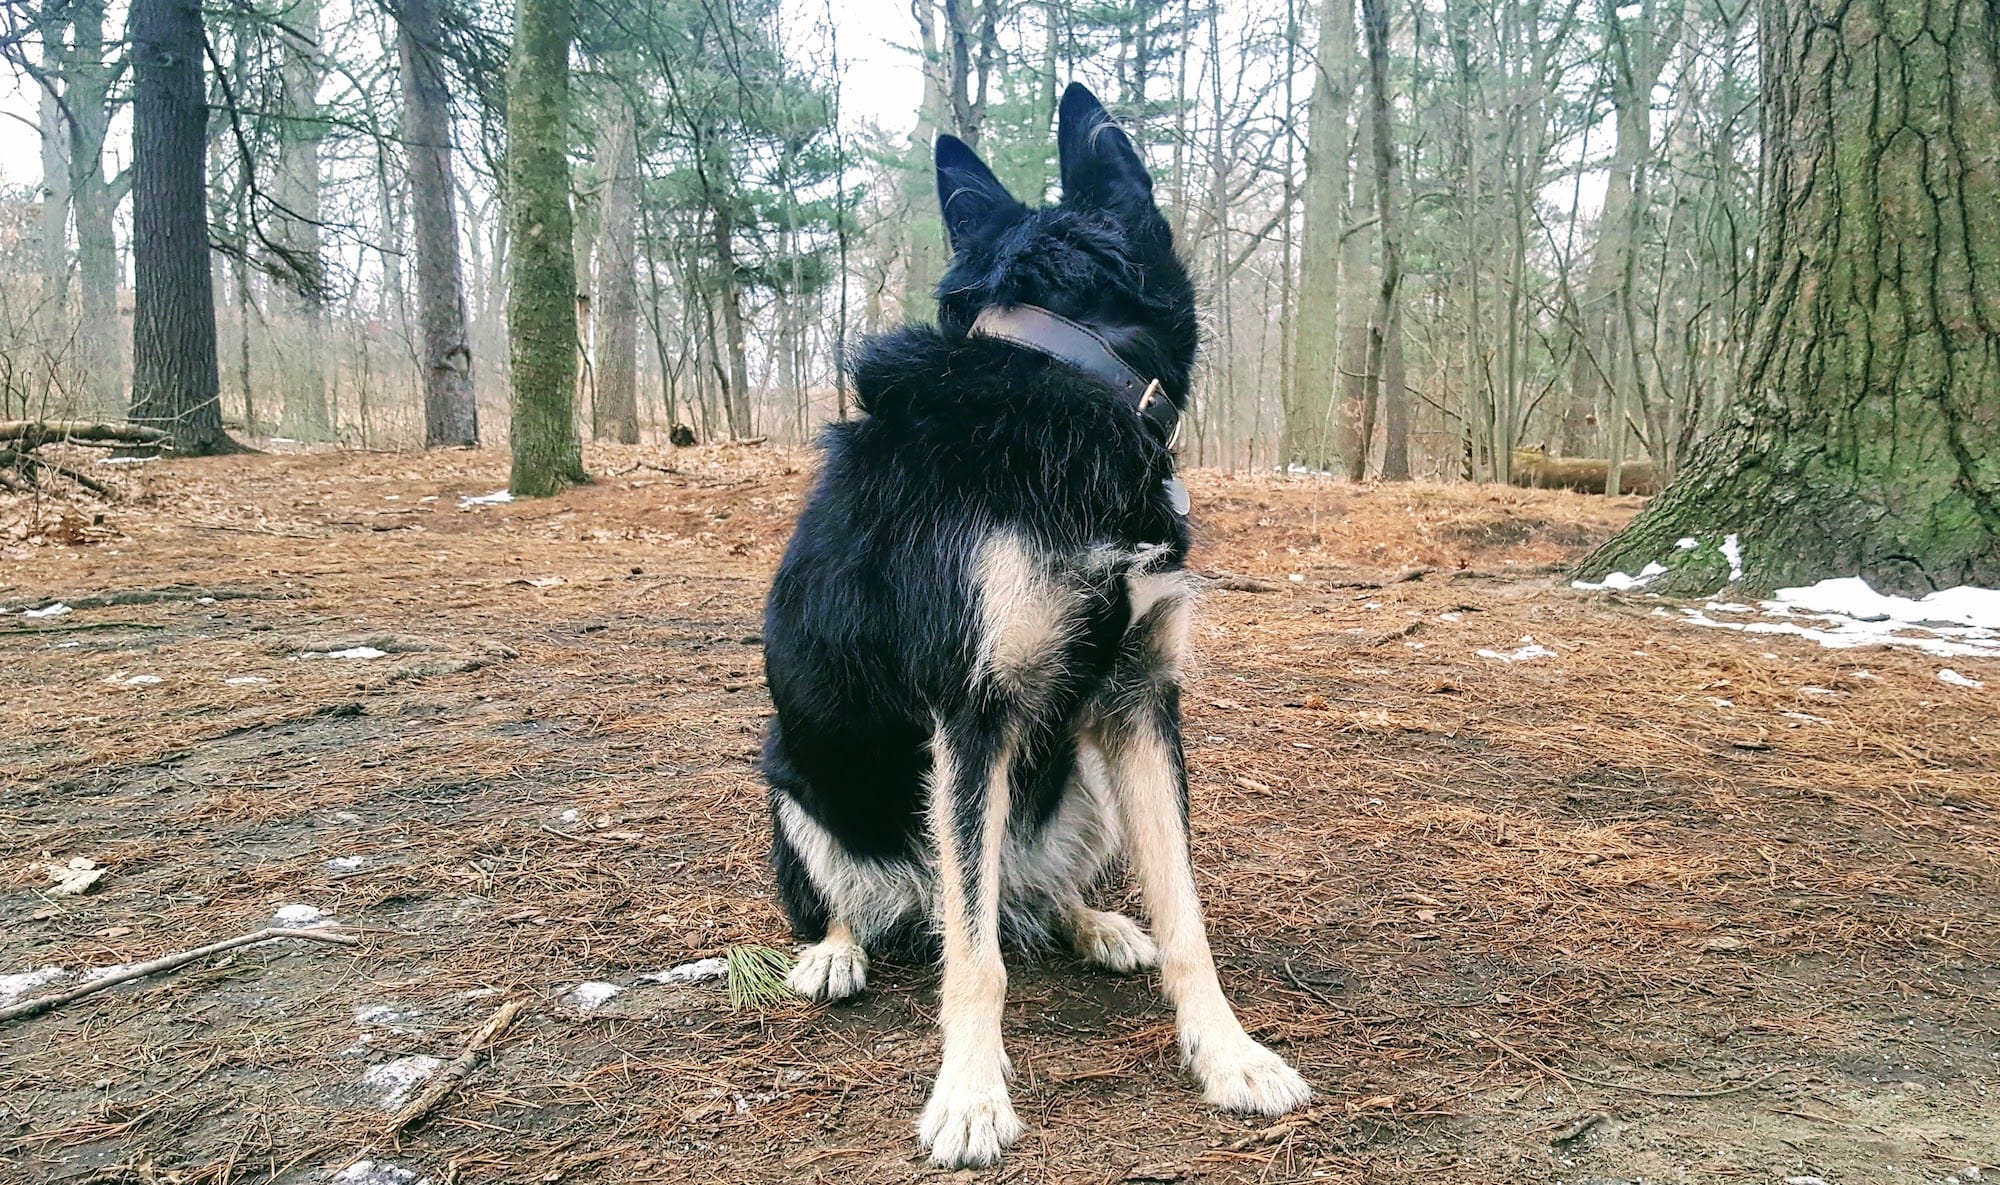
[1387, 319]
[174, 381]
[614, 412]
[94, 198]
[302, 368]
[1311, 420]
[541, 305]
[451, 411]
[1867, 438]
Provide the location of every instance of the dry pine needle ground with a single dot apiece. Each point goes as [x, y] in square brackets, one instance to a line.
[1669, 904]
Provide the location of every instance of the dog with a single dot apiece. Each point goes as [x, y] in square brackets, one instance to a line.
[975, 639]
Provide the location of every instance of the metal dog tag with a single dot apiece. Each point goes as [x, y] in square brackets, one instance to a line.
[1177, 494]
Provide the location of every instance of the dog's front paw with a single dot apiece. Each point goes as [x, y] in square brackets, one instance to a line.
[1112, 941]
[1242, 1076]
[830, 970]
[967, 1124]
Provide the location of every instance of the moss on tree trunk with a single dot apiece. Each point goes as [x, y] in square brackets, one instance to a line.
[1867, 441]
[541, 305]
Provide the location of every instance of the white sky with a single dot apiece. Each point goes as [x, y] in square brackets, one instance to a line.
[881, 83]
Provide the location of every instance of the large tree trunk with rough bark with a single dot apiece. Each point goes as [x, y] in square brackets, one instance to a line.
[306, 414]
[451, 413]
[1385, 327]
[1311, 419]
[1867, 439]
[614, 412]
[174, 381]
[541, 305]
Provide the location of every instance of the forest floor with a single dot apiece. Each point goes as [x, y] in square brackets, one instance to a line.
[1666, 904]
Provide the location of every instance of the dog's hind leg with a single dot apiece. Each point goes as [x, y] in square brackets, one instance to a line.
[1108, 941]
[1137, 736]
[969, 1118]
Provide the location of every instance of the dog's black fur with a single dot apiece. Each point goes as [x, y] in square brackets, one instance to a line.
[974, 641]
[868, 632]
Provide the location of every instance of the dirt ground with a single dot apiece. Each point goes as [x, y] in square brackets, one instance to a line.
[1669, 904]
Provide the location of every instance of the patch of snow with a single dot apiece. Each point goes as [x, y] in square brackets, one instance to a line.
[56, 610]
[1721, 703]
[699, 971]
[1622, 582]
[126, 460]
[352, 652]
[1845, 613]
[245, 680]
[380, 1015]
[283, 440]
[13, 987]
[377, 1172]
[346, 863]
[1947, 675]
[394, 1082]
[1732, 550]
[123, 680]
[496, 498]
[428, 498]
[570, 816]
[1808, 717]
[1729, 607]
[298, 915]
[1297, 578]
[1823, 692]
[1529, 649]
[204, 600]
[592, 995]
[1451, 616]
[1687, 543]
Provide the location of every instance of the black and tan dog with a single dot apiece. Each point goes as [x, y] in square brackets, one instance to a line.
[975, 640]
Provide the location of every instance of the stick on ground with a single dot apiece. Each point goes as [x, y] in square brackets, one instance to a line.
[43, 1004]
[460, 1068]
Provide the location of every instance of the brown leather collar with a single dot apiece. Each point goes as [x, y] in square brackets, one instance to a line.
[1035, 328]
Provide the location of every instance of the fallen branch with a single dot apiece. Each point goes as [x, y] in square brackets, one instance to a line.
[32, 433]
[179, 959]
[460, 1068]
[80, 626]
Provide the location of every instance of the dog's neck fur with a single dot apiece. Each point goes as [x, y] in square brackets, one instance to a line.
[1084, 347]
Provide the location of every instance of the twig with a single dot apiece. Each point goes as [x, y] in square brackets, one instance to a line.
[79, 626]
[168, 963]
[1636, 1088]
[459, 1069]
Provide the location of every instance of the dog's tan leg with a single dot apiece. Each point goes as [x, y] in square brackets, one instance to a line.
[1138, 741]
[969, 1118]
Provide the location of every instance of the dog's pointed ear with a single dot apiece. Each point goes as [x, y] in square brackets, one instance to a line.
[969, 195]
[1099, 163]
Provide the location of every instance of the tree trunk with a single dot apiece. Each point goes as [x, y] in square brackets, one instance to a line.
[1311, 422]
[95, 201]
[729, 293]
[302, 365]
[1355, 417]
[614, 413]
[451, 412]
[53, 370]
[541, 305]
[923, 245]
[1867, 438]
[1388, 315]
[174, 381]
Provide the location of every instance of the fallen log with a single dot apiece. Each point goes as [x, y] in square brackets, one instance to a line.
[1535, 469]
[31, 433]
